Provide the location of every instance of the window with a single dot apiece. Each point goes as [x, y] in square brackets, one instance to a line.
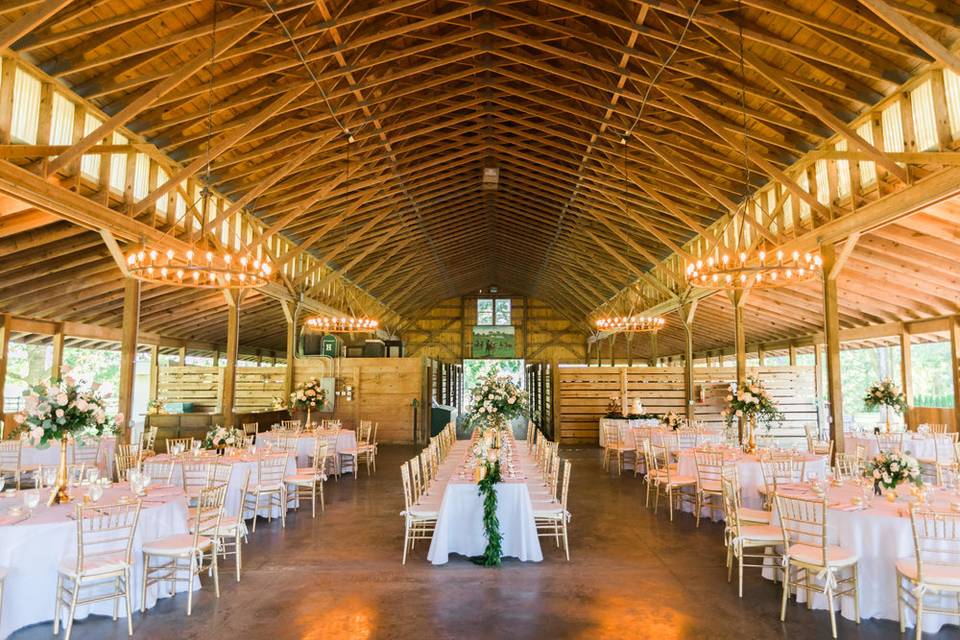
[90, 163]
[484, 311]
[892, 128]
[161, 179]
[501, 312]
[823, 182]
[868, 168]
[141, 176]
[843, 172]
[118, 166]
[951, 85]
[924, 121]
[61, 122]
[26, 108]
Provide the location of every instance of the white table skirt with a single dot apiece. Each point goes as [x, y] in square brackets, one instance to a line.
[750, 475]
[879, 535]
[346, 441]
[919, 445]
[32, 550]
[460, 523]
[240, 465]
[626, 426]
[50, 457]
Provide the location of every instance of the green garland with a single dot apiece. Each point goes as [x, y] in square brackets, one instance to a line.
[491, 524]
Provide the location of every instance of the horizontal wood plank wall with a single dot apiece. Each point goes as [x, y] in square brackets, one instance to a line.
[256, 387]
[585, 393]
[383, 391]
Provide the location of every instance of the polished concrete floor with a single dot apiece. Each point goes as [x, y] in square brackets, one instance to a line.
[632, 575]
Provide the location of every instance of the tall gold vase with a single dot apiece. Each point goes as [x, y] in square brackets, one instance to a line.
[58, 493]
[751, 424]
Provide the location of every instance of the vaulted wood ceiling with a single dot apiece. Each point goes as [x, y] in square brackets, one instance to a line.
[434, 92]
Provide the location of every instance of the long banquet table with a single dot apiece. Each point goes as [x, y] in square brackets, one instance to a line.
[919, 445]
[880, 534]
[460, 523]
[32, 548]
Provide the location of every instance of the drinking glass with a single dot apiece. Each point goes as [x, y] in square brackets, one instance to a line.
[145, 480]
[31, 498]
[95, 491]
[93, 475]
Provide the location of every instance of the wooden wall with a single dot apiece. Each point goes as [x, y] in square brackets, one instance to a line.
[584, 393]
[384, 390]
[203, 386]
[444, 332]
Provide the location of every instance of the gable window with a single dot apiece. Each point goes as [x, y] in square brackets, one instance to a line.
[501, 311]
[493, 312]
[484, 312]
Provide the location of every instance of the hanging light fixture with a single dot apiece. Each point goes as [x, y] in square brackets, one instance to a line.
[202, 264]
[630, 324]
[748, 266]
[342, 324]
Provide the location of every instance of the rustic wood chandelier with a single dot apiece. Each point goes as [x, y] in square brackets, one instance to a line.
[748, 266]
[342, 324]
[630, 324]
[202, 264]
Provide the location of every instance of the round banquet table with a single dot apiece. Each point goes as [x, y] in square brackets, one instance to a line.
[922, 446]
[31, 548]
[626, 425]
[880, 535]
[50, 457]
[346, 441]
[240, 464]
[750, 474]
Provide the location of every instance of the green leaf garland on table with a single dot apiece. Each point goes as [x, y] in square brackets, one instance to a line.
[491, 524]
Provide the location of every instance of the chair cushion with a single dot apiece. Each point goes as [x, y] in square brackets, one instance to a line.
[933, 574]
[94, 565]
[677, 480]
[420, 511]
[547, 509]
[302, 478]
[754, 515]
[761, 532]
[711, 486]
[178, 545]
[808, 554]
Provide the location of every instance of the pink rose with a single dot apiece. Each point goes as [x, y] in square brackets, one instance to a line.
[19, 418]
[60, 413]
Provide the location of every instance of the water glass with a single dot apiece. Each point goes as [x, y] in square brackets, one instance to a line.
[95, 491]
[93, 475]
[31, 498]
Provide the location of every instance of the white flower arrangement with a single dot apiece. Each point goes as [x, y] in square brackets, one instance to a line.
[753, 400]
[53, 412]
[671, 420]
[885, 394]
[496, 399]
[222, 437]
[309, 395]
[891, 468]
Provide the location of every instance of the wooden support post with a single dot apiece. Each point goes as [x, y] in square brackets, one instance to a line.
[56, 367]
[955, 369]
[818, 383]
[228, 397]
[740, 344]
[556, 403]
[906, 365]
[4, 355]
[182, 355]
[653, 350]
[154, 372]
[624, 401]
[629, 349]
[792, 355]
[831, 331]
[128, 354]
[613, 342]
[288, 378]
[686, 319]
[761, 353]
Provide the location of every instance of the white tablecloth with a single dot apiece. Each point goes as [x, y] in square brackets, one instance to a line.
[919, 445]
[879, 535]
[240, 465]
[32, 550]
[460, 524]
[346, 440]
[750, 474]
[50, 457]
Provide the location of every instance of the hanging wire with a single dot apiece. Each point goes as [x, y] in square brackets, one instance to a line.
[743, 110]
[663, 66]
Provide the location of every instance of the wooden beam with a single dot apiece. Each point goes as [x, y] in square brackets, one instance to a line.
[228, 394]
[29, 21]
[740, 344]
[56, 366]
[154, 384]
[687, 312]
[128, 354]
[831, 330]
[4, 362]
[955, 369]
[906, 365]
[913, 33]
[290, 313]
[845, 253]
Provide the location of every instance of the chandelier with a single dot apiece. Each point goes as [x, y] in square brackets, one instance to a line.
[753, 270]
[630, 324]
[198, 268]
[342, 324]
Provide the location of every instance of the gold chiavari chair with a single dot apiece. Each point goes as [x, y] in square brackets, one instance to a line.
[744, 538]
[935, 428]
[198, 475]
[232, 532]
[160, 472]
[187, 443]
[11, 468]
[123, 462]
[807, 552]
[551, 477]
[419, 520]
[640, 461]
[551, 517]
[666, 479]
[331, 438]
[367, 452]
[270, 485]
[86, 451]
[251, 428]
[847, 465]
[613, 447]
[181, 557]
[889, 441]
[290, 425]
[935, 568]
[148, 442]
[308, 481]
[710, 467]
[102, 560]
[780, 471]
[421, 475]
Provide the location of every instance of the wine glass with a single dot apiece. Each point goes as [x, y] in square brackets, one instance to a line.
[145, 479]
[95, 491]
[49, 476]
[31, 498]
[93, 475]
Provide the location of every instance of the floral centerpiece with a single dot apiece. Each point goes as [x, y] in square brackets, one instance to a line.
[309, 395]
[278, 403]
[891, 468]
[58, 411]
[496, 400]
[157, 406]
[885, 394]
[754, 404]
[221, 437]
[671, 420]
